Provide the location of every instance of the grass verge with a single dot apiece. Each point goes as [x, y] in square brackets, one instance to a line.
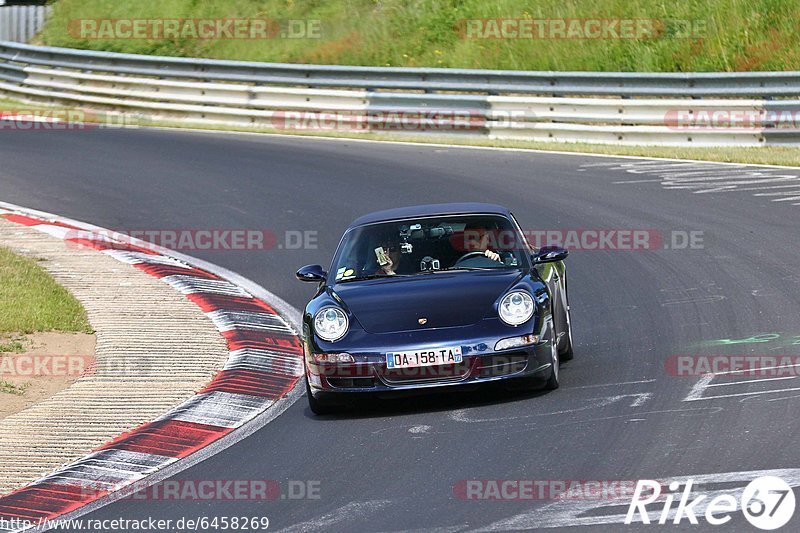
[10, 388]
[32, 301]
[697, 35]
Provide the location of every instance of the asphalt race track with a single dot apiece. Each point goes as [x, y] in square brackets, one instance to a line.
[392, 466]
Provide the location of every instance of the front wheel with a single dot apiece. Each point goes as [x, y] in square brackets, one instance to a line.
[567, 353]
[552, 381]
[318, 407]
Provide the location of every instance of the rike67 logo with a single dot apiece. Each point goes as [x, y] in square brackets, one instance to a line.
[767, 503]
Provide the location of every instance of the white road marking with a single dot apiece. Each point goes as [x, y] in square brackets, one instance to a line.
[704, 383]
[419, 145]
[708, 177]
[642, 399]
[566, 513]
[699, 388]
[747, 381]
[740, 394]
[729, 372]
[634, 181]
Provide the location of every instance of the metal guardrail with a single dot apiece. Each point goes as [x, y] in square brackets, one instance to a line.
[21, 23]
[628, 108]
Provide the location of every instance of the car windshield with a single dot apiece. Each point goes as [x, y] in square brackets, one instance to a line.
[428, 245]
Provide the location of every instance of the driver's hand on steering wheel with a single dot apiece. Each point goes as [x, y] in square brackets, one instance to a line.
[492, 255]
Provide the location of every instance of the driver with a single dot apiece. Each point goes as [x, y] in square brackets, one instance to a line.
[477, 240]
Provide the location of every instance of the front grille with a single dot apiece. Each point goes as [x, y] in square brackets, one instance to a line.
[503, 364]
[352, 383]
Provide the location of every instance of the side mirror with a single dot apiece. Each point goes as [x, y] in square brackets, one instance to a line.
[549, 254]
[311, 273]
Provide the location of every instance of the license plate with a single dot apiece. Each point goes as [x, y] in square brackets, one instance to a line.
[432, 357]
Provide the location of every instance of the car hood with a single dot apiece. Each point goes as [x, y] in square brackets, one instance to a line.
[444, 299]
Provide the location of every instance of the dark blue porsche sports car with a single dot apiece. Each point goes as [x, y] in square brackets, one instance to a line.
[434, 296]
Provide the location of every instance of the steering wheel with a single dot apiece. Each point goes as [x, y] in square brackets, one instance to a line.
[469, 255]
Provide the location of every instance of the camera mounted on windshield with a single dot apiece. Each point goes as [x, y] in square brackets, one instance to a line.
[416, 232]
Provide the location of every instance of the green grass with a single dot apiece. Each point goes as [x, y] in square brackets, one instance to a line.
[13, 344]
[31, 300]
[9, 388]
[738, 35]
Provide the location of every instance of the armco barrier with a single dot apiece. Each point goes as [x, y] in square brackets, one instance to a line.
[21, 23]
[736, 109]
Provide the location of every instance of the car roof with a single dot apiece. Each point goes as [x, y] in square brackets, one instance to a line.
[430, 210]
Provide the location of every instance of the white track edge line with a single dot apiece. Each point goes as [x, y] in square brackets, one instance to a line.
[464, 146]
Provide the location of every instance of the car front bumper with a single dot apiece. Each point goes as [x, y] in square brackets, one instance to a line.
[369, 375]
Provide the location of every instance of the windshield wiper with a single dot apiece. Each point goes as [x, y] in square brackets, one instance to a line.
[449, 269]
[370, 276]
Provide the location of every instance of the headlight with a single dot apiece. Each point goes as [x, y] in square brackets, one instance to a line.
[330, 323]
[516, 308]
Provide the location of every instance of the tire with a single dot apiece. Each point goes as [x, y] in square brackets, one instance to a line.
[552, 381]
[567, 354]
[318, 407]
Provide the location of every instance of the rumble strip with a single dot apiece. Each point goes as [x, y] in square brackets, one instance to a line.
[264, 364]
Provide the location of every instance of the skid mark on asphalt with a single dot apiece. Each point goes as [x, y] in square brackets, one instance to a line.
[793, 397]
[776, 185]
[682, 413]
[630, 399]
[444, 529]
[707, 293]
[566, 513]
[706, 388]
[349, 513]
[599, 385]
[637, 400]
